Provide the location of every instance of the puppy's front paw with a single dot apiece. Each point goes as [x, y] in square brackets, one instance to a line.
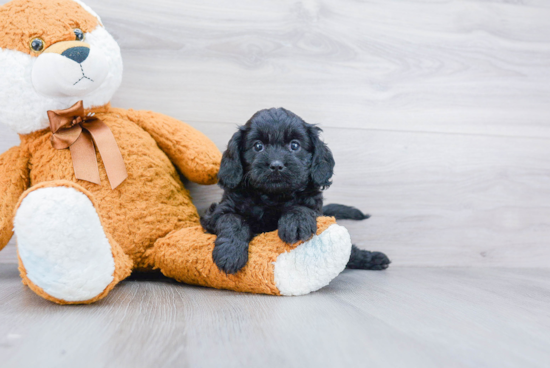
[230, 255]
[296, 227]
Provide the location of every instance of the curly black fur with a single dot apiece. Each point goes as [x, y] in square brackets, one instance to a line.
[272, 173]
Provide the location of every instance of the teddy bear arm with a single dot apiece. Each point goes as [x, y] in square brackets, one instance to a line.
[14, 180]
[191, 151]
[273, 267]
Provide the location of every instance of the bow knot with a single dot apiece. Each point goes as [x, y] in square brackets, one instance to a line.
[72, 129]
[77, 120]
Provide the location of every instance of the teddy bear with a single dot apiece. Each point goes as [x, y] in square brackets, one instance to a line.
[94, 192]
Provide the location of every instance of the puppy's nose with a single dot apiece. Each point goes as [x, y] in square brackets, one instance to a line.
[78, 54]
[277, 166]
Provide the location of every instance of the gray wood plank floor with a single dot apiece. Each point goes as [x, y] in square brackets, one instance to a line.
[404, 317]
[438, 116]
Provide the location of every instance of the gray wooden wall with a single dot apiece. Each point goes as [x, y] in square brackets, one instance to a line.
[438, 112]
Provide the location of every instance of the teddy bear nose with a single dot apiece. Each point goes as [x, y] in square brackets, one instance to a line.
[78, 54]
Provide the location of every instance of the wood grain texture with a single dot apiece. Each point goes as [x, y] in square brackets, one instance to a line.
[9, 253]
[438, 115]
[444, 66]
[403, 317]
[437, 111]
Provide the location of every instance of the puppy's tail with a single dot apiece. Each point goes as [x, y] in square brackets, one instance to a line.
[341, 212]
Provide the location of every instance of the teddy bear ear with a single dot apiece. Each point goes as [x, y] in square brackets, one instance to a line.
[89, 10]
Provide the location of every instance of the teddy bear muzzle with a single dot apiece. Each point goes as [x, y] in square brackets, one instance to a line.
[69, 69]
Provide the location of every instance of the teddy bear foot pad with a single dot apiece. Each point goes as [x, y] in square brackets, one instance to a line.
[62, 246]
[313, 264]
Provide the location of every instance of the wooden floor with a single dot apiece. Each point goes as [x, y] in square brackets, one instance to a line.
[438, 114]
[405, 317]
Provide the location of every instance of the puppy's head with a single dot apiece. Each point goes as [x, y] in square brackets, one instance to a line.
[276, 152]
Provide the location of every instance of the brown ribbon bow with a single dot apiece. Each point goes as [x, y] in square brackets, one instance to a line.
[72, 129]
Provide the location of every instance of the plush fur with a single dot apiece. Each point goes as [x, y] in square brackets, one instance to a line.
[293, 276]
[77, 239]
[273, 173]
[24, 109]
[48, 250]
[273, 267]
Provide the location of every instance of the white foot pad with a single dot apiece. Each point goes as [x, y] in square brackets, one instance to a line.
[62, 244]
[314, 263]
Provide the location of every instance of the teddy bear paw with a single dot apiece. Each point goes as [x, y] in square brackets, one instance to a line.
[62, 245]
[314, 263]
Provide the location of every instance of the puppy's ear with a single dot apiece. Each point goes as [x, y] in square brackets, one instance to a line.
[231, 168]
[322, 165]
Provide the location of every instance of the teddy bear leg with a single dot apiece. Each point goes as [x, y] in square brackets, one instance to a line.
[273, 267]
[65, 255]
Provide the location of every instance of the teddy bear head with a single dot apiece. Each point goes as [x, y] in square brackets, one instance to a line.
[53, 53]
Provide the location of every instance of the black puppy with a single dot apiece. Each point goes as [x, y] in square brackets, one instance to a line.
[273, 172]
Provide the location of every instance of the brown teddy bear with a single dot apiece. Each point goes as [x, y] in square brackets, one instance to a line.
[93, 192]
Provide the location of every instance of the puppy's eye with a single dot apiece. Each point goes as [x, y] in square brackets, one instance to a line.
[294, 146]
[258, 146]
[37, 44]
[79, 34]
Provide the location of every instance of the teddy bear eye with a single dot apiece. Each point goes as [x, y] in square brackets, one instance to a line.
[79, 34]
[37, 44]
